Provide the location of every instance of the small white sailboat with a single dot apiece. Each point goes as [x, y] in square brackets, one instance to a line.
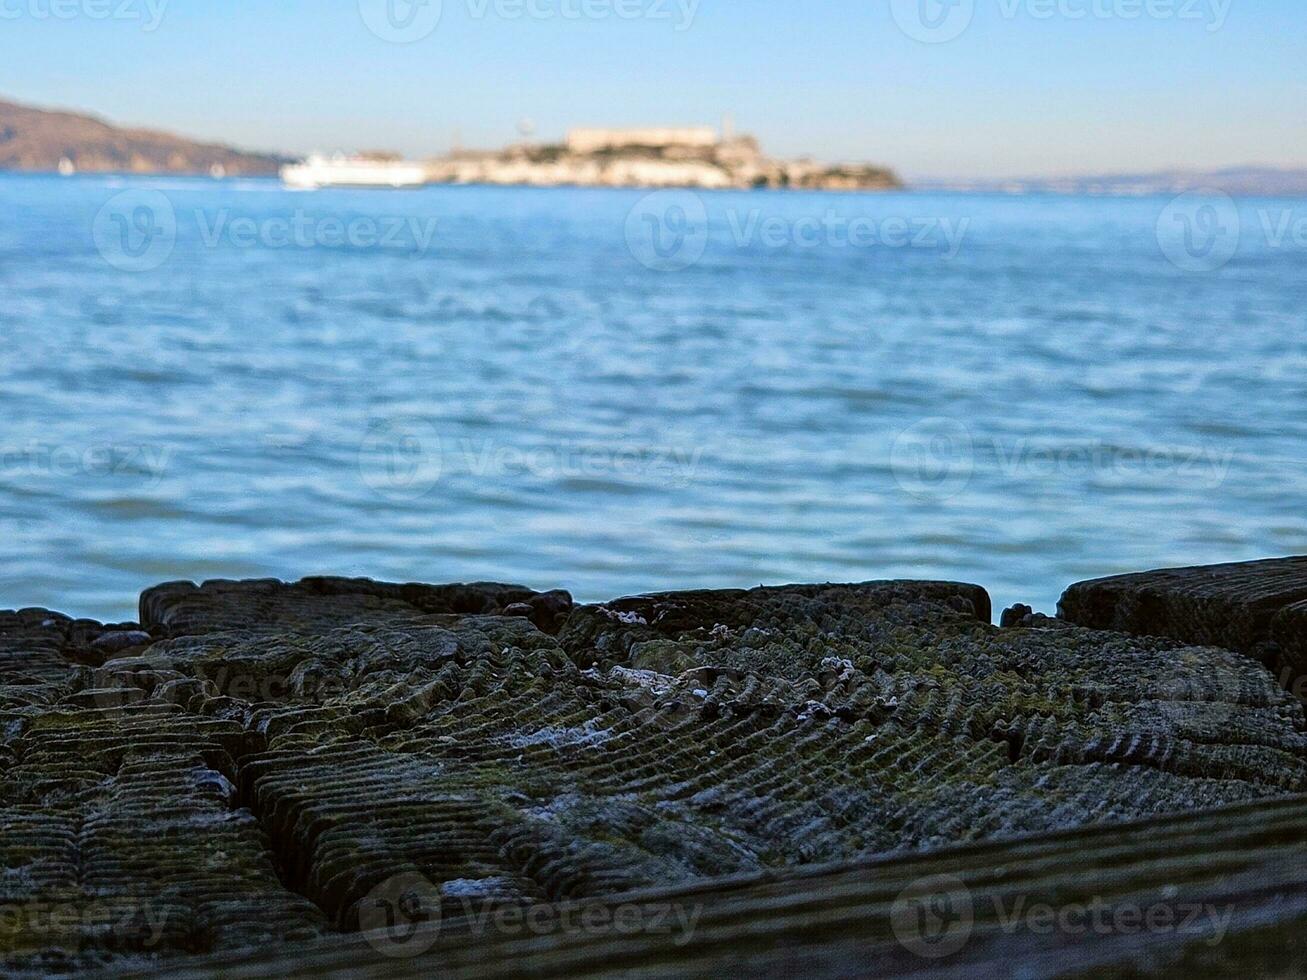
[66, 167]
[356, 171]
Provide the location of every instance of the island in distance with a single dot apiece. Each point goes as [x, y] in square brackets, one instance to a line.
[38, 140]
[688, 157]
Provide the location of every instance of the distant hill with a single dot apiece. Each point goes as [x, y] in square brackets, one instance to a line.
[37, 140]
[1238, 181]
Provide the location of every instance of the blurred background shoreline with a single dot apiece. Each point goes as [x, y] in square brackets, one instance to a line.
[47, 141]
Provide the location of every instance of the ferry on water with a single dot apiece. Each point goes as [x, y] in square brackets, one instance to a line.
[355, 171]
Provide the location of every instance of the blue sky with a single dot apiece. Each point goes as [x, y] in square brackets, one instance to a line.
[1027, 87]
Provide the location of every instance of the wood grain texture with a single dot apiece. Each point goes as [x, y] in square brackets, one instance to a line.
[262, 766]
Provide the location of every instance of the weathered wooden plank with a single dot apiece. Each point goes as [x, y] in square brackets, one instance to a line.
[265, 762]
[1231, 605]
[1219, 893]
[1258, 608]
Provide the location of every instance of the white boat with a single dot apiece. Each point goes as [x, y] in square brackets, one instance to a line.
[343, 171]
[66, 167]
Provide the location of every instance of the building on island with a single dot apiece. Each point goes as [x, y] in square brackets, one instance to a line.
[587, 141]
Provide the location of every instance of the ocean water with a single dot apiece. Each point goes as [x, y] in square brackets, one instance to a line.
[615, 392]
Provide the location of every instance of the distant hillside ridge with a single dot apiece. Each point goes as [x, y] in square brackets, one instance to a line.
[1252, 181]
[39, 140]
